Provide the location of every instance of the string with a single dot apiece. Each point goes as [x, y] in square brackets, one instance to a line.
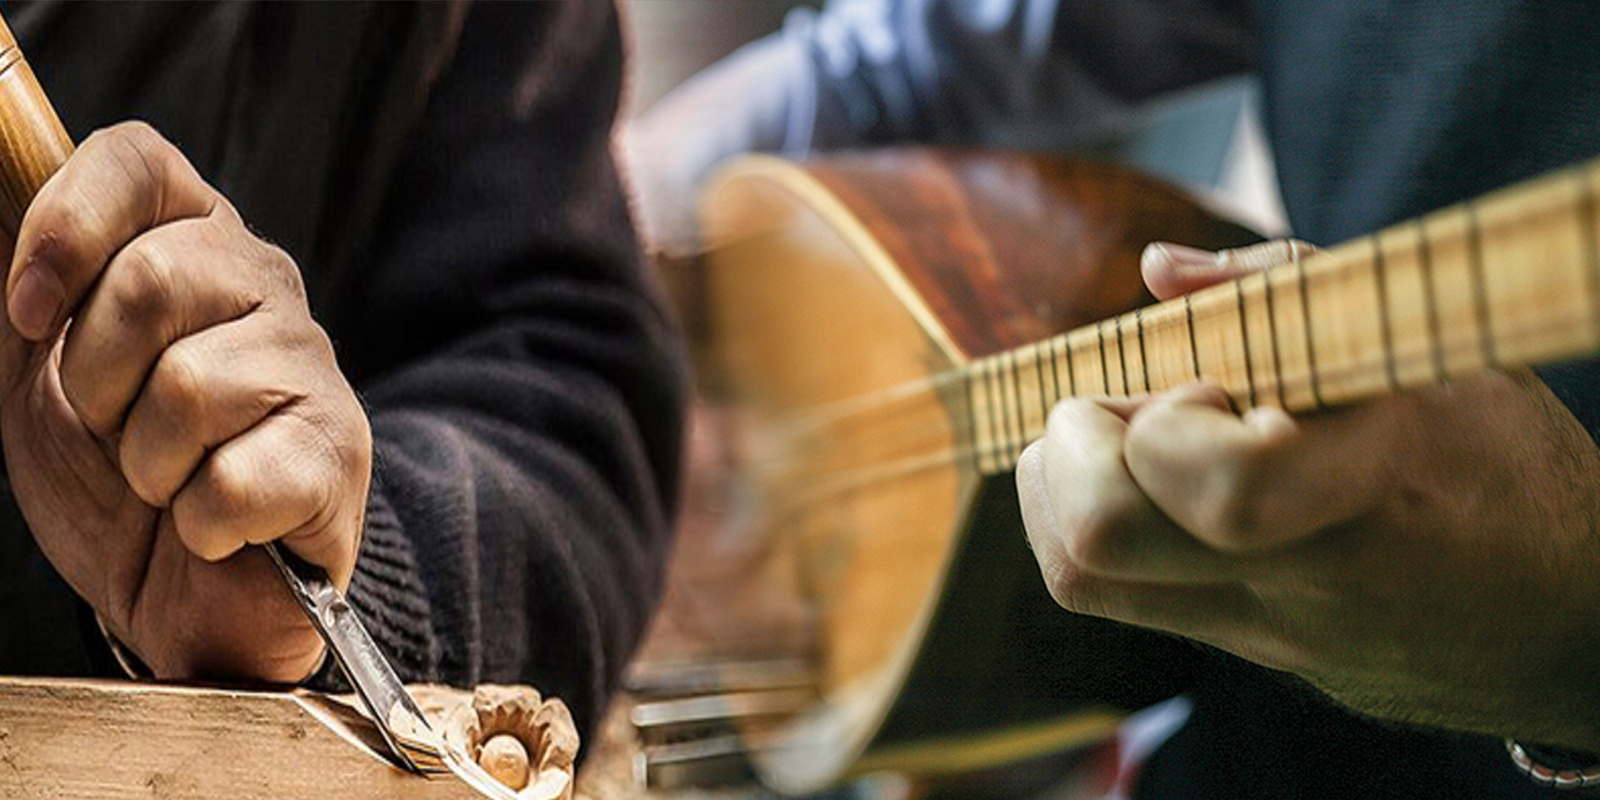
[833, 484]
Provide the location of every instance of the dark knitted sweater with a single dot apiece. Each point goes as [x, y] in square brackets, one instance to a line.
[444, 181]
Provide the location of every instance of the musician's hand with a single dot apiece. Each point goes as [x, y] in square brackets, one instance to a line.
[166, 399]
[1431, 557]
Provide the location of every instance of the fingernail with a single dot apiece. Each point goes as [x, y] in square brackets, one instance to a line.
[35, 301]
[1272, 424]
[1185, 256]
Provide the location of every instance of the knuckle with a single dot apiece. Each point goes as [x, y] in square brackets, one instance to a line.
[141, 154]
[64, 225]
[281, 269]
[139, 145]
[143, 287]
[1234, 517]
[204, 539]
[134, 131]
[1101, 541]
[343, 453]
[81, 386]
[1068, 586]
[356, 452]
[228, 490]
[203, 530]
[1227, 494]
[178, 384]
[1066, 417]
[137, 461]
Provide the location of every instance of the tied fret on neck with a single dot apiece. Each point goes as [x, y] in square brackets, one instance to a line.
[1512, 278]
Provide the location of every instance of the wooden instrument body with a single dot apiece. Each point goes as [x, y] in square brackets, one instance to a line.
[834, 297]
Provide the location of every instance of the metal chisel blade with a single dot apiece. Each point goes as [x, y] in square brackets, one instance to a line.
[412, 741]
[393, 711]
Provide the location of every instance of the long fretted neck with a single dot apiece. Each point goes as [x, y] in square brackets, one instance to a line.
[1511, 278]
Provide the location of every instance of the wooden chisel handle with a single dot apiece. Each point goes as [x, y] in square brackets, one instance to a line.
[33, 144]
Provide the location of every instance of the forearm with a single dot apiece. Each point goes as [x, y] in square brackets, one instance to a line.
[522, 540]
[524, 383]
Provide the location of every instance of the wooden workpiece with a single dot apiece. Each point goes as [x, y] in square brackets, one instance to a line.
[105, 740]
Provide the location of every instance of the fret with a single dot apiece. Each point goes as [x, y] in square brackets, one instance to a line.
[983, 445]
[1257, 291]
[1244, 337]
[1008, 396]
[1028, 400]
[1589, 230]
[1480, 293]
[1407, 309]
[1289, 337]
[1298, 261]
[1194, 349]
[1385, 325]
[1031, 405]
[1534, 266]
[1132, 349]
[1084, 344]
[1019, 392]
[1455, 298]
[1166, 349]
[1272, 332]
[1106, 383]
[1064, 355]
[997, 404]
[1430, 298]
[1349, 343]
[1116, 369]
[1144, 357]
[1218, 331]
[1048, 386]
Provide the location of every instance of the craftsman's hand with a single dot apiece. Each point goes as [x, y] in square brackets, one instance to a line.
[167, 400]
[1430, 557]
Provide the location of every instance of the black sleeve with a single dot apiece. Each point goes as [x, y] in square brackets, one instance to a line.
[526, 387]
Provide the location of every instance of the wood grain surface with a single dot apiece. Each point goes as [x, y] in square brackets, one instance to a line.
[66, 740]
[33, 143]
[1512, 278]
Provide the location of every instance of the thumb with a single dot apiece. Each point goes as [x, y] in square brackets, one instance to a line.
[1171, 270]
[18, 356]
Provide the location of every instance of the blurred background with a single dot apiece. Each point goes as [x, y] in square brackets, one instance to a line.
[673, 39]
[1207, 140]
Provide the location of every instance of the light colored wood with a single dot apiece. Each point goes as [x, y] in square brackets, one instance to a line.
[103, 740]
[33, 143]
[526, 742]
[116, 740]
[1510, 279]
[858, 503]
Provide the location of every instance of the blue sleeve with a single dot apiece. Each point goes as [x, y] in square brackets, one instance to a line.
[1029, 74]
